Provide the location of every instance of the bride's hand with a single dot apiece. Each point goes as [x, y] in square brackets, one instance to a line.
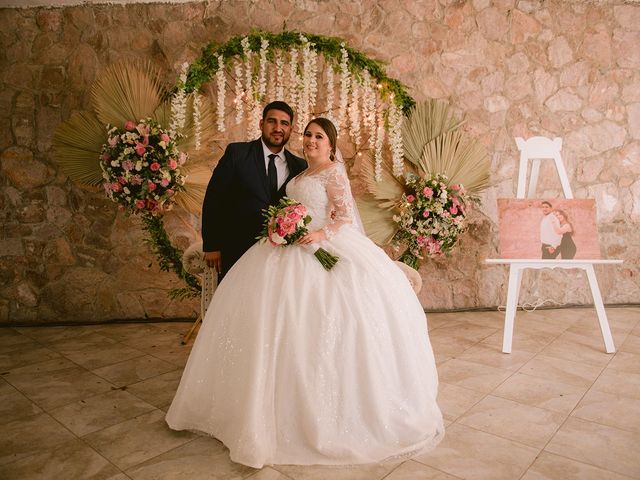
[312, 237]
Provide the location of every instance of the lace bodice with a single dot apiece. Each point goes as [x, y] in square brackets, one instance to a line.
[327, 196]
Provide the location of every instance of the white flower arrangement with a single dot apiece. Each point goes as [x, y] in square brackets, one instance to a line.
[237, 101]
[197, 134]
[279, 95]
[220, 83]
[395, 138]
[377, 156]
[354, 113]
[345, 80]
[179, 105]
[330, 91]
[294, 80]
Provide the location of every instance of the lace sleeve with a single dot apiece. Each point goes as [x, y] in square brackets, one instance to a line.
[341, 200]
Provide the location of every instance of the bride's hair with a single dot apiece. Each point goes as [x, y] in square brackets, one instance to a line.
[330, 129]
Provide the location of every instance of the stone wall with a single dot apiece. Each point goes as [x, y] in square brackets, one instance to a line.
[515, 68]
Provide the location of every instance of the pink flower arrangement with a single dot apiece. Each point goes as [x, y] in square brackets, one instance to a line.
[431, 218]
[139, 167]
[285, 223]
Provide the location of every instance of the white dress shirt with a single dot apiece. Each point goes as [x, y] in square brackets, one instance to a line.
[548, 235]
[281, 164]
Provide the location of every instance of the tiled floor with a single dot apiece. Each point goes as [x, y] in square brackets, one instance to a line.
[88, 402]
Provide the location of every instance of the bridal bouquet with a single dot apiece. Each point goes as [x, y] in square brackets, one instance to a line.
[287, 222]
[141, 167]
[431, 217]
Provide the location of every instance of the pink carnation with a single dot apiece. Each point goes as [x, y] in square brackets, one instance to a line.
[127, 165]
[155, 166]
[129, 125]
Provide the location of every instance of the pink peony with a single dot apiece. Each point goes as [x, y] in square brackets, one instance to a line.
[151, 186]
[164, 182]
[172, 164]
[140, 148]
[129, 125]
[410, 198]
[428, 192]
[165, 138]
[140, 203]
[127, 165]
[155, 166]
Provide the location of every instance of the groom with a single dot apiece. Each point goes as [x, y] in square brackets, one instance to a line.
[249, 177]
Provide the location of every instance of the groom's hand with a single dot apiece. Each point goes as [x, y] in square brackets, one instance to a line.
[213, 260]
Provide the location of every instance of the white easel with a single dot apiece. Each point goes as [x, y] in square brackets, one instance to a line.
[535, 149]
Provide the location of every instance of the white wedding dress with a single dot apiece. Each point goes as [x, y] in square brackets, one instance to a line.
[297, 365]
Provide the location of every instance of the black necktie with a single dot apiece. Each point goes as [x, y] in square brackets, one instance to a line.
[272, 175]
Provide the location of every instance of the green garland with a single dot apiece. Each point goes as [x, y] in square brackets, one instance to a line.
[170, 257]
[202, 69]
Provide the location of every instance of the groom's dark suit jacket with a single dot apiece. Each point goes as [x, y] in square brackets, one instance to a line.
[237, 193]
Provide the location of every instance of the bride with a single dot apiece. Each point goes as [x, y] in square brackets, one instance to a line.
[297, 365]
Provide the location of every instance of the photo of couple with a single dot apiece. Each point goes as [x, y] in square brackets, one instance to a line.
[548, 229]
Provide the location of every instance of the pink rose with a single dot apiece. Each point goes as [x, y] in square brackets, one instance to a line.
[155, 166]
[425, 214]
[453, 209]
[455, 187]
[140, 148]
[115, 187]
[170, 192]
[172, 164]
[152, 205]
[164, 182]
[105, 157]
[410, 198]
[129, 125]
[127, 165]
[151, 186]
[140, 203]
[428, 192]
[165, 138]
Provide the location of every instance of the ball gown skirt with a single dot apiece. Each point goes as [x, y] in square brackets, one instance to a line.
[297, 365]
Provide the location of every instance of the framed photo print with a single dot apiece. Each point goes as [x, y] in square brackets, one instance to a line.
[554, 229]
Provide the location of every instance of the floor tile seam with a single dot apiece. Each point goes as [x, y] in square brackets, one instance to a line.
[534, 406]
[128, 469]
[420, 463]
[546, 355]
[88, 445]
[92, 370]
[580, 460]
[616, 427]
[36, 452]
[84, 436]
[539, 449]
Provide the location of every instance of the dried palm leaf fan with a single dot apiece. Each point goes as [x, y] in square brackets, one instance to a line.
[126, 91]
[434, 143]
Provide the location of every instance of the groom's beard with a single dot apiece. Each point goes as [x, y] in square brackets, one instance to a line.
[278, 140]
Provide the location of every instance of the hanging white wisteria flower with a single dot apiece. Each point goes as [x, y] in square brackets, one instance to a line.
[279, 76]
[379, 142]
[395, 138]
[294, 80]
[306, 99]
[345, 80]
[354, 113]
[249, 93]
[220, 94]
[238, 101]
[179, 104]
[197, 134]
[330, 92]
[368, 107]
[262, 70]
